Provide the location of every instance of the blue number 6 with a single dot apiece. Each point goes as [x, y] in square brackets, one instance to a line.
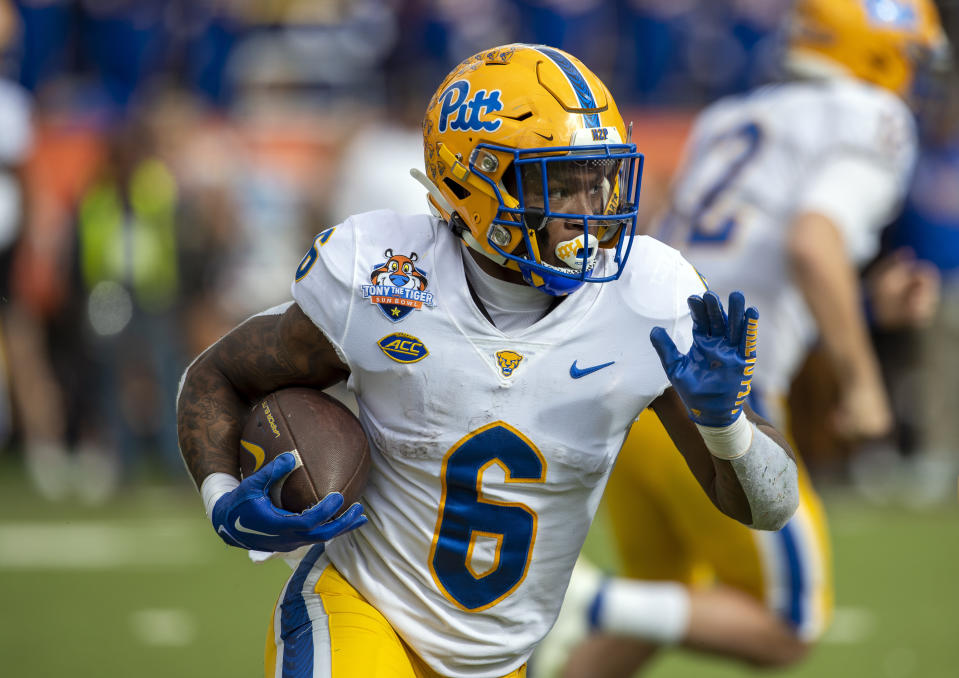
[465, 515]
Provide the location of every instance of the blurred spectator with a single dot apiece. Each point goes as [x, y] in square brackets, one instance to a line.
[919, 355]
[690, 52]
[19, 327]
[312, 55]
[116, 345]
[373, 166]
[103, 54]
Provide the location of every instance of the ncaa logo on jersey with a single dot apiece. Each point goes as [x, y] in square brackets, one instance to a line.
[403, 348]
[460, 111]
[397, 286]
[508, 361]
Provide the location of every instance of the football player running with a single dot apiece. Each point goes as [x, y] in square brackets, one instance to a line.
[493, 439]
[782, 194]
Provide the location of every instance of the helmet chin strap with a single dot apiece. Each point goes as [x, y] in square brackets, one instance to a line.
[444, 204]
[433, 191]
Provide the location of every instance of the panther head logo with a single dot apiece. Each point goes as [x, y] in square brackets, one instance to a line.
[508, 361]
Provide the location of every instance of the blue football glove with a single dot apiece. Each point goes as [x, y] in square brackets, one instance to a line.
[246, 517]
[713, 379]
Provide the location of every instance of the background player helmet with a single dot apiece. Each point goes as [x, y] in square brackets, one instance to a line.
[879, 41]
[507, 136]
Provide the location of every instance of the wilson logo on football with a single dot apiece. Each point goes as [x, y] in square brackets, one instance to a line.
[397, 286]
[403, 348]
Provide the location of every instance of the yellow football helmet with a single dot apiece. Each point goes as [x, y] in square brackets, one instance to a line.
[510, 134]
[879, 41]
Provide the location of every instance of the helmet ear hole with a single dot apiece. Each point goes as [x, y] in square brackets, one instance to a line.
[460, 191]
[509, 180]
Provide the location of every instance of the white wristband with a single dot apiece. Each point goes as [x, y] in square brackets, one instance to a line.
[215, 486]
[728, 442]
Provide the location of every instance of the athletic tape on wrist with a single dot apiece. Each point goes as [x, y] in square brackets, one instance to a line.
[653, 611]
[215, 486]
[728, 442]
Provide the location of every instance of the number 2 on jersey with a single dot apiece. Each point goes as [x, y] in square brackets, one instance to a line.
[709, 228]
[465, 517]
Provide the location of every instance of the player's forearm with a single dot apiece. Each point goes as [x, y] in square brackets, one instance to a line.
[210, 416]
[728, 494]
[830, 286]
[717, 477]
[762, 464]
[274, 349]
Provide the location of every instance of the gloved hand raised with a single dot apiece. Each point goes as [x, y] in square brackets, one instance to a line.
[247, 518]
[713, 378]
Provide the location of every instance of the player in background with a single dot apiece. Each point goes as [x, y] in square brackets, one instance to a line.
[493, 436]
[782, 193]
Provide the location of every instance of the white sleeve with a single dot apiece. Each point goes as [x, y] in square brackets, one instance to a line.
[860, 178]
[324, 282]
[859, 196]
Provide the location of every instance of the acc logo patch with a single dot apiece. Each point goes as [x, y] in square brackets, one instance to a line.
[508, 361]
[403, 348]
[397, 286]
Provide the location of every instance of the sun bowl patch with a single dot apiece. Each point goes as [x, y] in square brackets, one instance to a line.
[403, 348]
[397, 286]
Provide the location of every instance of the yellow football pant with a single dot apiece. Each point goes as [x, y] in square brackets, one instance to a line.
[666, 528]
[323, 628]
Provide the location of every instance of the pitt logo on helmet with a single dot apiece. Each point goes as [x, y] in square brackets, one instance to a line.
[460, 111]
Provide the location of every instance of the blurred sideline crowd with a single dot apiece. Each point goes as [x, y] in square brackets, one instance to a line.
[165, 165]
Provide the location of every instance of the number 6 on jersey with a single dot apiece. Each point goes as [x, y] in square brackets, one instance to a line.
[465, 517]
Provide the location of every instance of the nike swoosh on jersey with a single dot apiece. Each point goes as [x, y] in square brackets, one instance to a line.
[577, 372]
[240, 527]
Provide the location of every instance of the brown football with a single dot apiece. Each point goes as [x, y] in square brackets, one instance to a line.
[333, 451]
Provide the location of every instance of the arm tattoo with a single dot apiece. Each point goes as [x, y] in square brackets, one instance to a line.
[259, 356]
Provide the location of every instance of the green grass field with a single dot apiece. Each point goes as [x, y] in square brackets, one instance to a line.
[142, 587]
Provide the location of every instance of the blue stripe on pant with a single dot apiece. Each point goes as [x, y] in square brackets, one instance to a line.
[295, 627]
[793, 575]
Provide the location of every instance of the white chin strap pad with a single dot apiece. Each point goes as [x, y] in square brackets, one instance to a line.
[572, 252]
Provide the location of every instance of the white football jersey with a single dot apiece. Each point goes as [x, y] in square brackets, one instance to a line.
[490, 450]
[839, 148]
